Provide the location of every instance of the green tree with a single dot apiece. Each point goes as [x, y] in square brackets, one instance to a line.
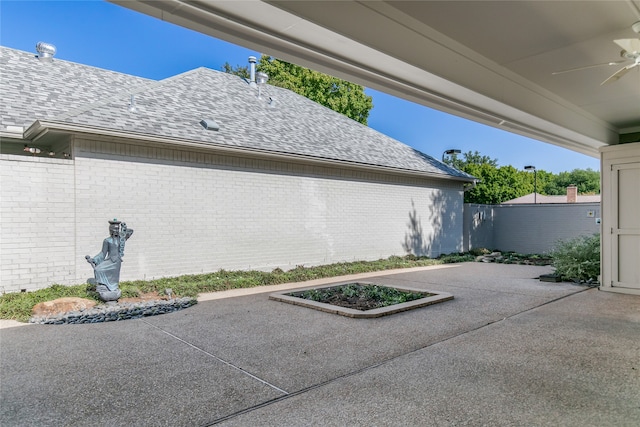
[499, 184]
[542, 177]
[238, 70]
[587, 181]
[339, 95]
[496, 184]
[470, 158]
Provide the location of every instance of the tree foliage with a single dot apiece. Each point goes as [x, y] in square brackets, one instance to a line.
[470, 158]
[587, 181]
[339, 95]
[238, 70]
[498, 184]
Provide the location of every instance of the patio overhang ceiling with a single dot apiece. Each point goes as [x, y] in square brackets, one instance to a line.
[488, 61]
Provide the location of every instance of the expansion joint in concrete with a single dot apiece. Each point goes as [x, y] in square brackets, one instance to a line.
[213, 356]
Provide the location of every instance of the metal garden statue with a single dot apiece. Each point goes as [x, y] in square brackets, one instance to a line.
[106, 264]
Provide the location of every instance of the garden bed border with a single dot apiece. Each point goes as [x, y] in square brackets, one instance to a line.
[437, 297]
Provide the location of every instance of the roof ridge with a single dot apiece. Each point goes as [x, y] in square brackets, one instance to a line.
[136, 90]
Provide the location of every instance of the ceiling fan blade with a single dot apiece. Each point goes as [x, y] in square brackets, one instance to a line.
[589, 66]
[621, 72]
[630, 45]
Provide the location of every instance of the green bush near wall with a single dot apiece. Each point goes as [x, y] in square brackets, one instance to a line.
[578, 259]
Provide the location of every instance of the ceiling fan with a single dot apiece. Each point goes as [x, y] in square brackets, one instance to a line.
[630, 52]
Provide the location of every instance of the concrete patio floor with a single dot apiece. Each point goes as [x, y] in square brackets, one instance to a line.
[508, 350]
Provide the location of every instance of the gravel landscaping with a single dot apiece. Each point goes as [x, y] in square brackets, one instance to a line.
[117, 311]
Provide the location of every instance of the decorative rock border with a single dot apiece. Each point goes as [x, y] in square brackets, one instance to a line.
[435, 298]
[118, 311]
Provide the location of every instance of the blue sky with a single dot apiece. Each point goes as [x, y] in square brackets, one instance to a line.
[108, 36]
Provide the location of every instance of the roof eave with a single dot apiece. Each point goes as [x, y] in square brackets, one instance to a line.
[40, 128]
[11, 135]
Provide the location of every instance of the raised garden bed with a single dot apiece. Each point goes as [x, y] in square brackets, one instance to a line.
[361, 300]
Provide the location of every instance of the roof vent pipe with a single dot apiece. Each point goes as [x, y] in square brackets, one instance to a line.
[132, 104]
[45, 51]
[252, 71]
[262, 79]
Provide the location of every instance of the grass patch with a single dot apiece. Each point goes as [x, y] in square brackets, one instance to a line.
[18, 306]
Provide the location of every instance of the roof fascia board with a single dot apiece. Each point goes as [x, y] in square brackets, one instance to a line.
[40, 128]
[11, 135]
[531, 111]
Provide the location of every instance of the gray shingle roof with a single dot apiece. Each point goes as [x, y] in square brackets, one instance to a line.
[35, 90]
[72, 93]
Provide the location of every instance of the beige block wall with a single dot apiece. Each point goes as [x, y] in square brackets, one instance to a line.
[197, 212]
[478, 227]
[539, 228]
[528, 228]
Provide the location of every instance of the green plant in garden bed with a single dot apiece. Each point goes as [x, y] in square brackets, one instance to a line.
[527, 259]
[360, 296]
[18, 306]
[456, 257]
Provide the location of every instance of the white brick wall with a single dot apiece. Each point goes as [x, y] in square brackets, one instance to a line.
[37, 223]
[198, 212]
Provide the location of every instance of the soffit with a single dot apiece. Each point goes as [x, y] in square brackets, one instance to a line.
[534, 39]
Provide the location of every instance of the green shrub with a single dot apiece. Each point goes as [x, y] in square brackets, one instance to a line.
[456, 257]
[578, 259]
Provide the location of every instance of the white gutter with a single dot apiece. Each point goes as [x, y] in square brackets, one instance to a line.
[13, 132]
